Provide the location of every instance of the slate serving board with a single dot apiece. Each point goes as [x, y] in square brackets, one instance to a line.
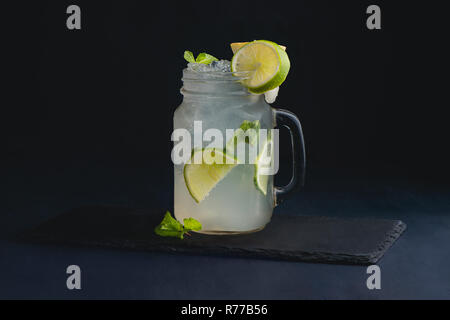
[286, 237]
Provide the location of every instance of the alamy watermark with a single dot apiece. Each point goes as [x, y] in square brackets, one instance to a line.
[373, 22]
[73, 21]
[74, 280]
[374, 280]
[251, 146]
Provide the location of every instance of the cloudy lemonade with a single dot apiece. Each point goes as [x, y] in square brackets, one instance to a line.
[226, 198]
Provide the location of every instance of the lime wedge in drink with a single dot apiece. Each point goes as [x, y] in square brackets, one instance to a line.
[214, 165]
[202, 177]
[268, 61]
[262, 167]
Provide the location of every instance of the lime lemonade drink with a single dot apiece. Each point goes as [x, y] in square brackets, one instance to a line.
[225, 178]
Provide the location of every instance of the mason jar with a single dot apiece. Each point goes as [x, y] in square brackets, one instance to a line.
[218, 100]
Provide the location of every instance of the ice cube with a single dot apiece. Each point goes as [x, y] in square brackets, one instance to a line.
[215, 66]
[271, 95]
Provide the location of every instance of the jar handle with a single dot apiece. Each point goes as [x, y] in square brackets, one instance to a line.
[289, 120]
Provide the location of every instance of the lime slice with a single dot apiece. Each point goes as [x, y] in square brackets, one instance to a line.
[235, 46]
[268, 61]
[262, 166]
[201, 178]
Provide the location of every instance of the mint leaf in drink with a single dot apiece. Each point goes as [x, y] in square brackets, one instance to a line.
[189, 56]
[241, 135]
[246, 124]
[254, 126]
[170, 227]
[205, 58]
[192, 224]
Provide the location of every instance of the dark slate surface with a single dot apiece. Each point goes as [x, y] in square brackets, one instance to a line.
[295, 238]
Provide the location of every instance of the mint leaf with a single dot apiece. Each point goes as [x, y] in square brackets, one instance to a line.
[240, 135]
[250, 125]
[192, 224]
[189, 56]
[171, 223]
[252, 135]
[205, 58]
[254, 126]
[169, 233]
[170, 227]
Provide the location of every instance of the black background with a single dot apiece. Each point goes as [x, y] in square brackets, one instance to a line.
[86, 118]
[105, 95]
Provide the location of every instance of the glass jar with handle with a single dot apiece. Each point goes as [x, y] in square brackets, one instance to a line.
[230, 198]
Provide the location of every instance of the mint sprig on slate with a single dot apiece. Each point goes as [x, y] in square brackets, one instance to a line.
[170, 227]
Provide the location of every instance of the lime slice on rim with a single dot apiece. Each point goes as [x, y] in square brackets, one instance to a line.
[262, 166]
[201, 178]
[268, 61]
[235, 46]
